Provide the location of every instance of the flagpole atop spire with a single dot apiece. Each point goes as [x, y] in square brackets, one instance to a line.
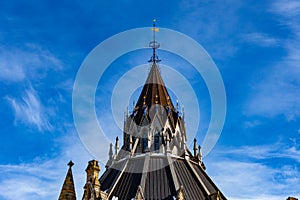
[154, 44]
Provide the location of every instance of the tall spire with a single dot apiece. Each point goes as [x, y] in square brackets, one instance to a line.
[68, 190]
[154, 95]
[154, 44]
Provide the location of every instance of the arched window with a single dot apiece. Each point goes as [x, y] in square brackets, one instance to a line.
[145, 144]
[156, 141]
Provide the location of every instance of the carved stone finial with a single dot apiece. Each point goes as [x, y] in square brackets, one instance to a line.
[139, 194]
[195, 147]
[215, 196]
[110, 156]
[70, 164]
[180, 194]
[110, 151]
[116, 147]
[200, 153]
[130, 144]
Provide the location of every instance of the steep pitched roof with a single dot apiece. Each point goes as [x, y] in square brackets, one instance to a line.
[68, 190]
[154, 90]
[154, 93]
[159, 177]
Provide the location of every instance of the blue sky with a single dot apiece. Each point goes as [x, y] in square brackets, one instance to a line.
[255, 45]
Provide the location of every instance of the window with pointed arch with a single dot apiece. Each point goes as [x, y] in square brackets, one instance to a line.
[145, 144]
[156, 141]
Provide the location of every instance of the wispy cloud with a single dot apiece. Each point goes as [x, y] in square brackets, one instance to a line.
[276, 91]
[264, 152]
[247, 169]
[286, 8]
[32, 181]
[276, 94]
[261, 39]
[30, 110]
[289, 13]
[9, 71]
[254, 181]
[42, 178]
[21, 63]
[215, 27]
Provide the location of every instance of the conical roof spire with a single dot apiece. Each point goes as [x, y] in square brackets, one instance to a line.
[68, 190]
[154, 95]
[154, 91]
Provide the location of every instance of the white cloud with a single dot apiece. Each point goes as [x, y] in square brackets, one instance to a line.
[21, 63]
[286, 8]
[43, 178]
[255, 181]
[30, 110]
[212, 22]
[276, 91]
[244, 174]
[28, 181]
[289, 12]
[261, 39]
[11, 72]
[262, 152]
[252, 123]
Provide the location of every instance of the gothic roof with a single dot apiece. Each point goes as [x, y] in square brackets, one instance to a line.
[158, 177]
[68, 189]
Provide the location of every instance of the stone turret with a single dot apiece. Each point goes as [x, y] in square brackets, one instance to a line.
[92, 187]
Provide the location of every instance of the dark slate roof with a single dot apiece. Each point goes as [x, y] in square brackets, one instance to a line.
[162, 177]
[154, 92]
[159, 183]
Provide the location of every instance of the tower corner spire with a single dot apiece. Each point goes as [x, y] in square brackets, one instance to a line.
[68, 188]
